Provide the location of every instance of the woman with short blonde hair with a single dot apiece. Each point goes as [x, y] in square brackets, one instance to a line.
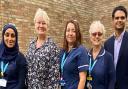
[101, 73]
[42, 56]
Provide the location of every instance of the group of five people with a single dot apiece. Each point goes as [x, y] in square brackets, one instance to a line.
[47, 66]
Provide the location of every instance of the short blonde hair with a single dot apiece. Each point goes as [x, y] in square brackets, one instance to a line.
[41, 13]
[95, 25]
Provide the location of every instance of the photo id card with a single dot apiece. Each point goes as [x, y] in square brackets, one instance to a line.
[3, 82]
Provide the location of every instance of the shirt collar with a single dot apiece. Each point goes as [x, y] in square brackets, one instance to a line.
[46, 42]
[101, 53]
[119, 39]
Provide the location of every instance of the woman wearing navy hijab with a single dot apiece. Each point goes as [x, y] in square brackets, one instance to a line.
[13, 65]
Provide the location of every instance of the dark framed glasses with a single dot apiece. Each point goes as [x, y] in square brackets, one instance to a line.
[97, 33]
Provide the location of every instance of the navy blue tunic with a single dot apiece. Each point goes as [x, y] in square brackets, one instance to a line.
[76, 61]
[16, 73]
[103, 73]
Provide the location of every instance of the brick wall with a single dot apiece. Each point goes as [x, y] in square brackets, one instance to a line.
[21, 12]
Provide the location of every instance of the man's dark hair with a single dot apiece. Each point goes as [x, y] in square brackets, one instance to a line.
[121, 8]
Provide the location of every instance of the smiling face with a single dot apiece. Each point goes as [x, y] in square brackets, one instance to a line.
[119, 20]
[96, 32]
[96, 37]
[70, 34]
[9, 38]
[41, 26]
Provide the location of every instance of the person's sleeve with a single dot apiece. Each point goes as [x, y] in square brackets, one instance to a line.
[53, 76]
[111, 73]
[83, 60]
[22, 72]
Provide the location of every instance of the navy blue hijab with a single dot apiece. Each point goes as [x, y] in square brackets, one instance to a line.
[8, 54]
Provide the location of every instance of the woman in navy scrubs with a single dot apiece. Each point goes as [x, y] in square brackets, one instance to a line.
[101, 73]
[13, 64]
[73, 58]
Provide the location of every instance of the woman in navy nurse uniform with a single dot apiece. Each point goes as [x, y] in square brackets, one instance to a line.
[101, 67]
[73, 58]
[13, 65]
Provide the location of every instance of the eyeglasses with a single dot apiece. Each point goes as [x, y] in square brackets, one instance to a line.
[122, 18]
[97, 33]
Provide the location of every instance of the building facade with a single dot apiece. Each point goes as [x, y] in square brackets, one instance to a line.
[21, 13]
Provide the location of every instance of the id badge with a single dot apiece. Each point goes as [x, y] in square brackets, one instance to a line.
[89, 78]
[62, 82]
[3, 82]
[89, 86]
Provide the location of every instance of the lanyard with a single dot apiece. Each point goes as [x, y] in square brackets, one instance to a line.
[64, 58]
[3, 68]
[91, 66]
[63, 62]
